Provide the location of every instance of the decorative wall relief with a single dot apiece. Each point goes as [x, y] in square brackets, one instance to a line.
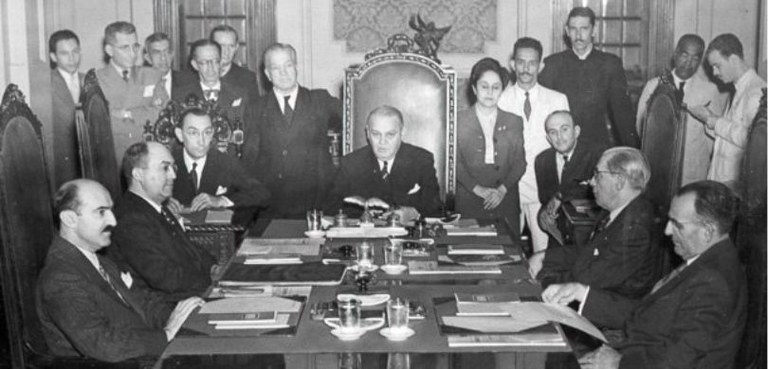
[366, 24]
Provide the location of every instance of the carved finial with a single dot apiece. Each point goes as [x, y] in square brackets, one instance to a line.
[427, 36]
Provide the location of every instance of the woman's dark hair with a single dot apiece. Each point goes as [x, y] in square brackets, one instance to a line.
[482, 66]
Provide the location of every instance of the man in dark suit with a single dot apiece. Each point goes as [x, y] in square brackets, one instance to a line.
[288, 149]
[66, 83]
[622, 254]
[594, 82]
[231, 73]
[231, 99]
[209, 179]
[398, 173]
[561, 169]
[86, 305]
[693, 317]
[158, 53]
[149, 237]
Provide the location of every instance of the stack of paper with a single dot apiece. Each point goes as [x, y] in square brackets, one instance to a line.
[490, 340]
[365, 232]
[468, 304]
[475, 249]
[416, 267]
[277, 321]
[489, 231]
[281, 246]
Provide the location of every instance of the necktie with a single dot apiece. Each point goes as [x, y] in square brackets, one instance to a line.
[527, 106]
[600, 227]
[193, 176]
[565, 160]
[680, 91]
[170, 218]
[161, 95]
[212, 94]
[109, 281]
[385, 171]
[669, 277]
[125, 75]
[287, 110]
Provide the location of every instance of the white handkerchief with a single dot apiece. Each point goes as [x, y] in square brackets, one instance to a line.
[237, 102]
[221, 191]
[126, 277]
[415, 189]
[149, 90]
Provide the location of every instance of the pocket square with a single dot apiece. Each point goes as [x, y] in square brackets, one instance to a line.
[415, 189]
[237, 102]
[126, 277]
[149, 90]
[221, 191]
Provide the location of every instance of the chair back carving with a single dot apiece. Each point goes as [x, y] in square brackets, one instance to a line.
[94, 134]
[26, 221]
[663, 141]
[423, 90]
[751, 241]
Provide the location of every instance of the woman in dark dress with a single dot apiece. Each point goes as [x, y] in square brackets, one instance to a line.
[491, 157]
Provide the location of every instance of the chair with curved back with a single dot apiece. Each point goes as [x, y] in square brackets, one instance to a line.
[94, 134]
[751, 241]
[422, 89]
[26, 231]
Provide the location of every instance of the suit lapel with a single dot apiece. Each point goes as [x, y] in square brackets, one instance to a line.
[300, 114]
[210, 175]
[71, 254]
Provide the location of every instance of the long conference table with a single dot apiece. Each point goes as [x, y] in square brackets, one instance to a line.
[311, 345]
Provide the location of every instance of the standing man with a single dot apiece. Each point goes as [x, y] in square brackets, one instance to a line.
[66, 84]
[534, 103]
[227, 38]
[87, 306]
[158, 53]
[694, 89]
[594, 82]
[135, 94]
[726, 56]
[289, 150]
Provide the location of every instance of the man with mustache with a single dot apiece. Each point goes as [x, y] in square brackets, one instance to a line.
[150, 239]
[594, 82]
[533, 102]
[87, 306]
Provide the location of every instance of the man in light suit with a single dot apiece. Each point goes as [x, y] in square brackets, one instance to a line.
[66, 84]
[288, 150]
[135, 94]
[231, 73]
[693, 317]
[695, 89]
[726, 56]
[158, 53]
[87, 306]
[209, 179]
[231, 99]
[533, 102]
[389, 169]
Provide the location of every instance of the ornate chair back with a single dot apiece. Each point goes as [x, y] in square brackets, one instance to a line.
[424, 92]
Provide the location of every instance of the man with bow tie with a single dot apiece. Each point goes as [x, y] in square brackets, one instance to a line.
[389, 169]
[622, 254]
[150, 239]
[694, 316]
[87, 306]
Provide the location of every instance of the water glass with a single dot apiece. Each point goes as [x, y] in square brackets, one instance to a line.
[364, 254]
[393, 253]
[397, 315]
[349, 315]
[315, 220]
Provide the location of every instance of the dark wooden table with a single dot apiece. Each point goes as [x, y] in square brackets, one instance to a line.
[314, 347]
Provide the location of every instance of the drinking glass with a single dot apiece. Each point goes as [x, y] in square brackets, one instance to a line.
[349, 315]
[315, 220]
[397, 315]
[393, 253]
[364, 255]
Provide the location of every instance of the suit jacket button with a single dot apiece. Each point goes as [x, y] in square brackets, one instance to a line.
[285, 152]
[279, 175]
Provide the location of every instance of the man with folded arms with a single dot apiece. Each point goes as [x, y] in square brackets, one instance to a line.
[622, 254]
[89, 307]
[398, 173]
[150, 239]
[209, 179]
[693, 317]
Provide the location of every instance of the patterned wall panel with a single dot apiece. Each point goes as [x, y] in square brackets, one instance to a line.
[366, 24]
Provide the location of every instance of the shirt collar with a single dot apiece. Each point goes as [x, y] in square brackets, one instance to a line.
[188, 160]
[678, 80]
[534, 91]
[615, 212]
[67, 76]
[119, 69]
[281, 96]
[217, 86]
[90, 255]
[154, 205]
[586, 55]
[390, 163]
[741, 83]
[569, 153]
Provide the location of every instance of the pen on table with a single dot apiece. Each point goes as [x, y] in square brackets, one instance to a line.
[331, 261]
[707, 104]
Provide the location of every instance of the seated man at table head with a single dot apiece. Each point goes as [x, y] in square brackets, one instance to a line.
[389, 169]
[561, 169]
[149, 238]
[622, 254]
[693, 317]
[207, 178]
[87, 306]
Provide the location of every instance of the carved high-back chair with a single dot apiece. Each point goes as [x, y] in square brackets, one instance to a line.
[94, 135]
[751, 241]
[422, 89]
[26, 231]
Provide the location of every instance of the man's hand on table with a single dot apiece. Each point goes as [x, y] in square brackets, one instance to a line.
[535, 262]
[180, 314]
[205, 201]
[564, 294]
[604, 357]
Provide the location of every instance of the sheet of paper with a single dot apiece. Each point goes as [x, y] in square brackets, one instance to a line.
[280, 322]
[538, 311]
[365, 232]
[250, 304]
[487, 324]
[281, 246]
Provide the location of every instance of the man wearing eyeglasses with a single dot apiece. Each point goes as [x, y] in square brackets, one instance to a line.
[150, 239]
[622, 254]
[134, 93]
